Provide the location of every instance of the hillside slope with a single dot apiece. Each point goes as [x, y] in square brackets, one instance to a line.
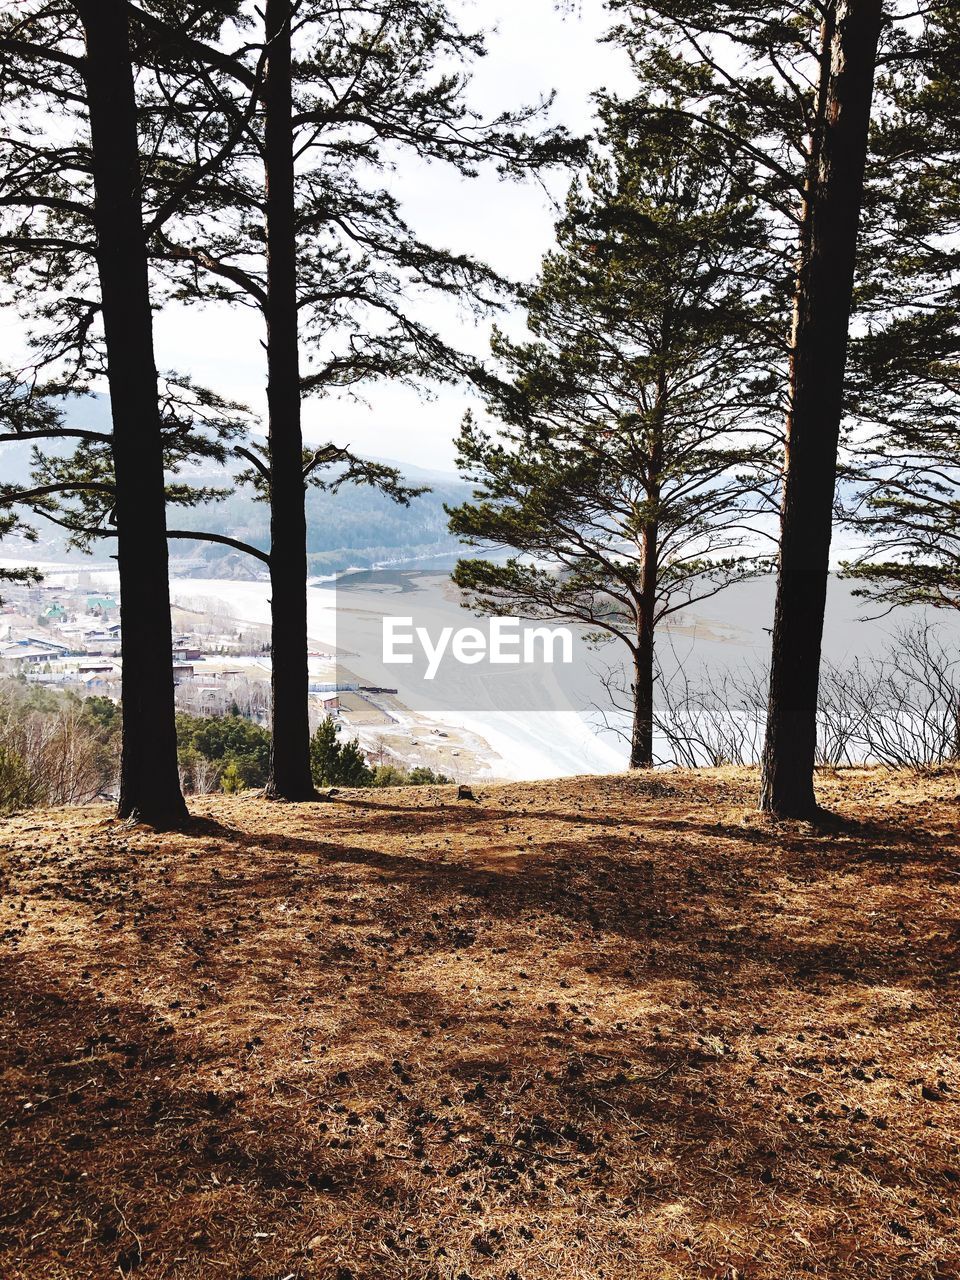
[609, 1028]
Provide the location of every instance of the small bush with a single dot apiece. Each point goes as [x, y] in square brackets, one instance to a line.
[17, 790]
[334, 763]
[226, 751]
[391, 775]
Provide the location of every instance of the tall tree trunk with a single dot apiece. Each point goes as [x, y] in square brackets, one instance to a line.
[290, 749]
[149, 779]
[818, 360]
[641, 739]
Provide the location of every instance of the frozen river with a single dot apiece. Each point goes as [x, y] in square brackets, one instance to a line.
[540, 726]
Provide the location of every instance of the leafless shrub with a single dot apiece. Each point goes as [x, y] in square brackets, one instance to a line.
[50, 753]
[713, 720]
[900, 708]
[199, 776]
[73, 771]
[840, 720]
[906, 703]
[710, 718]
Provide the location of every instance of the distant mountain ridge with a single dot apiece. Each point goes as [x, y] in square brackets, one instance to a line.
[356, 527]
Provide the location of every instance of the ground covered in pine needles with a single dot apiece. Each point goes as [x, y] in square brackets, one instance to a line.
[613, 1028]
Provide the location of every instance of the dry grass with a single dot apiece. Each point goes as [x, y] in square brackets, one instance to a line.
[602, 1028]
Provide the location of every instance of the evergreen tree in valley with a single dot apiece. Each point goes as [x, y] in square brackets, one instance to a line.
[635, 446]
[335, 763]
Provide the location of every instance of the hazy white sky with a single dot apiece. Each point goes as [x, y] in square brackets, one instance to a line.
[533, 49]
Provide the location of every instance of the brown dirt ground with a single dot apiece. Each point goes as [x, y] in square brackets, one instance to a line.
[614, 1028]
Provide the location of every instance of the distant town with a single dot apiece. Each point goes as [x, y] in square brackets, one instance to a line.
[69, 637]
[66, 635]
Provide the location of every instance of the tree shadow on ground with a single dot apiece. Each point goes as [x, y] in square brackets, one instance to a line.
[446, 1051]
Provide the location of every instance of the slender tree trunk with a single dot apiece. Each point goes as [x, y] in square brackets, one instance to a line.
[149, 778]
[819, 349]
[290, 749]
[641, 739]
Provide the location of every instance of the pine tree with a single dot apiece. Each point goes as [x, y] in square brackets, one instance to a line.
[324, 752]
[289, 218]
[149, 779]
[824, 300]
[902, 465]
[790, 88]
[88, 205]
[72, 189]
[334, 763]
[633, 447]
